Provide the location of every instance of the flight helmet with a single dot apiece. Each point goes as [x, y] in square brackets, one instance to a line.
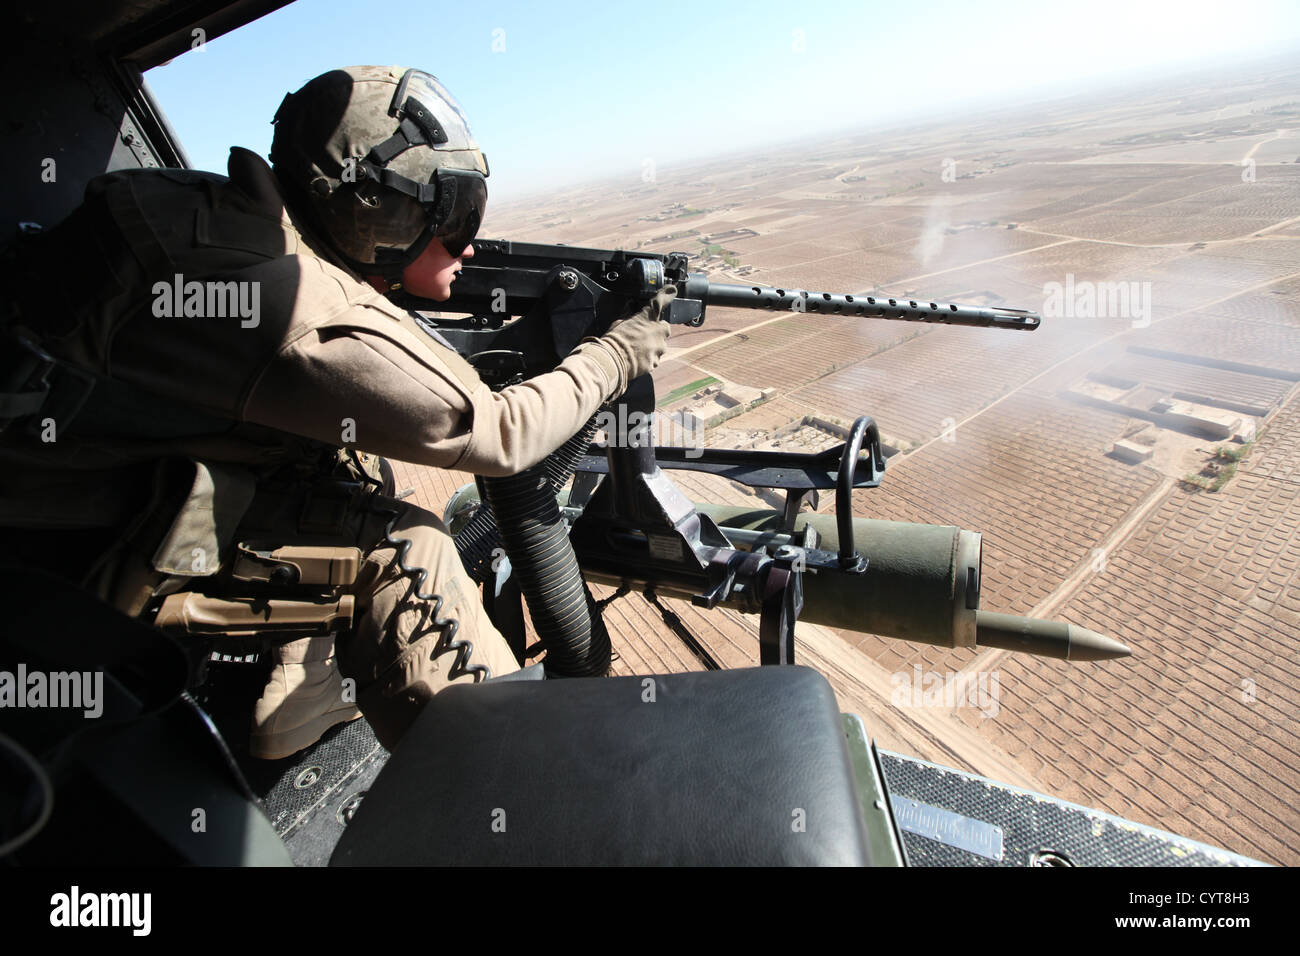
[380, 161]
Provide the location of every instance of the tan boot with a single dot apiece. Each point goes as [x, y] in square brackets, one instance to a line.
[303, 699]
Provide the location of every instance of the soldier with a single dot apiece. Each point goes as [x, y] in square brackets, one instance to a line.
[219, 348]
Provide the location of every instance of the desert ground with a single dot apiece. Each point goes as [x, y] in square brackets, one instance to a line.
[1158, 232]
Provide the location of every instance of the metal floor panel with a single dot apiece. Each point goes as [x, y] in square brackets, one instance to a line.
[950, 818]
[311, 795]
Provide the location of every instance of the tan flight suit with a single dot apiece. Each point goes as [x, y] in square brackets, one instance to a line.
[325, 357]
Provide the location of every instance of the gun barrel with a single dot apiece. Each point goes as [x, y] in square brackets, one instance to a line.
[869, 306]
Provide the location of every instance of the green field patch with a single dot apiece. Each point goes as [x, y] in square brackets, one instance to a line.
[683, 390]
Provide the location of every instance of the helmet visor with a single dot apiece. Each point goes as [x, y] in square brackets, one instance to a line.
[452, 218]
[459, 208]
[421, 90]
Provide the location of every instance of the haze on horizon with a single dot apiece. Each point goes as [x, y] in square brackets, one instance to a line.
[558, 97]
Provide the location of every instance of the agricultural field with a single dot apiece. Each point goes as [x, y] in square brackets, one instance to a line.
[1158, 233]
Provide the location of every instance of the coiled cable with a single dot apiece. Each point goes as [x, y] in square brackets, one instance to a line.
[449, 625]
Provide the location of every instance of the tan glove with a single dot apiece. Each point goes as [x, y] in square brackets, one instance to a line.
[639, 342]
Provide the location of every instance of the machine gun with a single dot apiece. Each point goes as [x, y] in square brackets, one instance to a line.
[632, 527]
[583, 291]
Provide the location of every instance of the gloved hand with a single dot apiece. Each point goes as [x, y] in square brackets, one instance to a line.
[639, 342]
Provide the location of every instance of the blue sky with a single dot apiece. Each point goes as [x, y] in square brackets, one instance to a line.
[570, 91]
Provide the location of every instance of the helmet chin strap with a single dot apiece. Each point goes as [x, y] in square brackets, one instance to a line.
[391, 272]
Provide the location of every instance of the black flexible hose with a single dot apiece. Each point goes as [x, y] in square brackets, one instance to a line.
[478, 539]
[521, 514]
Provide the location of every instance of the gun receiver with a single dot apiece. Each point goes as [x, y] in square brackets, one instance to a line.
[582, 291]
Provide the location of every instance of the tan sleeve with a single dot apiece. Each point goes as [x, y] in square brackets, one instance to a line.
[519, 426]
[364, 379]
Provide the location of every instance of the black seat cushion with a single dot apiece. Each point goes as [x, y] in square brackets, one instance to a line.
[741, 767]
